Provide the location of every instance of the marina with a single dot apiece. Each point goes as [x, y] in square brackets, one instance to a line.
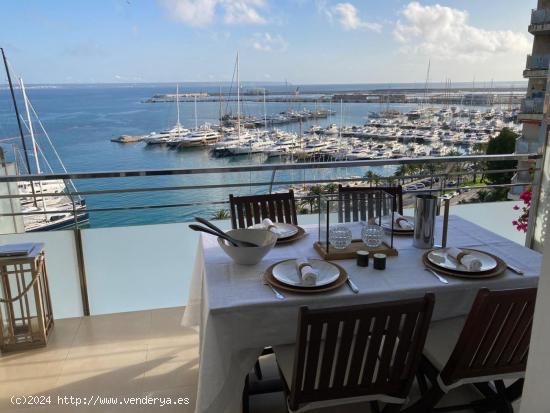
[82, 134]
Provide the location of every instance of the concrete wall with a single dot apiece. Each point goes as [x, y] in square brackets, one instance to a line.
[535, 392]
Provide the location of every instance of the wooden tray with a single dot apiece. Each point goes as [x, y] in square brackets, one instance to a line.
[500, 268]
[268, 276]
[299, 235]
[351, 251]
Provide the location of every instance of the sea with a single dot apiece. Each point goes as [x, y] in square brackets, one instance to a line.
[81, 120]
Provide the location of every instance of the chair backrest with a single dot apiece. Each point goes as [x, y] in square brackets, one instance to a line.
[495, 337]
[363, 203]
[365, 350]
[250, 210]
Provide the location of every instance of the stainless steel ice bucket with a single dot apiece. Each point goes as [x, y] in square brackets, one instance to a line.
[424, 221]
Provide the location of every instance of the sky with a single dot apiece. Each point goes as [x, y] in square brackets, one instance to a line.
[299, 41]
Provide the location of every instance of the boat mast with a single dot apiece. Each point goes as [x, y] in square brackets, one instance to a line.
[27, 162]
[196, 124]
[178, 107]
[33, 140]
[31, 129]
[221, 114]
[265, 113]
[238, 100]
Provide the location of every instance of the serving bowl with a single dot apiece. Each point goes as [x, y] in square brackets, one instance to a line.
[265, 240]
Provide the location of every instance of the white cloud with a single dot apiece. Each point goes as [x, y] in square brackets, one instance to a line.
[192, 12]
[444, 32]
[243, 11]
[348, 17]
[267, 42]
[203, 12]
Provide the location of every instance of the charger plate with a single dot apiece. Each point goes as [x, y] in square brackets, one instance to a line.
[300, 233]
[397, 230]
[500, 268]
[488, 263]
[269, 278]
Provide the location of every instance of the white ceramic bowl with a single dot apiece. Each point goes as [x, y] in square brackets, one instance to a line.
[249, 255]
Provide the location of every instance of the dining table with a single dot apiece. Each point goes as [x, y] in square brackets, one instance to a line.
[238, 315]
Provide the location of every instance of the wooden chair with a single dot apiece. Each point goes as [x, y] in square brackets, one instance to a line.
[365, 353]
[491, 346]
[359, 203]
[250, 210]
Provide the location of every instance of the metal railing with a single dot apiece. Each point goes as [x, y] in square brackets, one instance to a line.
[538, 62]
[440, 178]
[438, 172]
[539, 17]
[533, 106]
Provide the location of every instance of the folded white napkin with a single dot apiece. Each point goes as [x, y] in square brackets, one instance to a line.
[267, 224]
[401, 222]
[469, 261]
[308, 274]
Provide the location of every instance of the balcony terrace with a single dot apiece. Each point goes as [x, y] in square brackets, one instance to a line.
[537, 66]
[119, 293]
[531, 109]
[540, 22]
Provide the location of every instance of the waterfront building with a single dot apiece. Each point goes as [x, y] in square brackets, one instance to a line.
[532, 108]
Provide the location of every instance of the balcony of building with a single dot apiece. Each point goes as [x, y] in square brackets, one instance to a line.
[119, 293]
[540, 22]
[532, 109]
[537, 66]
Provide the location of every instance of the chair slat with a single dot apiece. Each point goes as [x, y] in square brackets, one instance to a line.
[249, 210]
[495, 337]
[374, 350]
[355, 207]
[405, 340]
[256, 211]
[344, 352]
[388, 348]
[363, 334]
[328, 354]
[310, 373]
[514, 341]
[508, 329]
[490, 336]
[338, 350]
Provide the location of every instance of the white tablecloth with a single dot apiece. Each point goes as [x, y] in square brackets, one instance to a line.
[238, 315]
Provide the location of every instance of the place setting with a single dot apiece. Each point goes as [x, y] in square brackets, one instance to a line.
[286, 233]
[308, 276]
[398, 224]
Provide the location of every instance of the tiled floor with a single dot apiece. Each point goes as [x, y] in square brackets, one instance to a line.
[130, 354]
[137, 354]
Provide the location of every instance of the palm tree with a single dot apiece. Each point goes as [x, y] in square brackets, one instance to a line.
[220, 215]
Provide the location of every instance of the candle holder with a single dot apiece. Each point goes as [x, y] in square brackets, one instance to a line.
[362, 258]
[379, 261]
[341, 215]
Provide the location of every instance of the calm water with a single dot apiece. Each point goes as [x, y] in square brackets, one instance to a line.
[81, 120]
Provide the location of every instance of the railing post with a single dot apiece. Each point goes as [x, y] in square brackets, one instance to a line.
[272, 179]
[79, 256]
[81, 271]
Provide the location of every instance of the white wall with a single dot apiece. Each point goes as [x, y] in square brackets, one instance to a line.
[139, 267]
[62, 266]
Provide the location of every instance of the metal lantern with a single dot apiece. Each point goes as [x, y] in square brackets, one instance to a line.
[26, 316]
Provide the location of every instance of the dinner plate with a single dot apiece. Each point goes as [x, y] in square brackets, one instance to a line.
[386, 224]
[287, 273]
[488, 263]
[284, 230]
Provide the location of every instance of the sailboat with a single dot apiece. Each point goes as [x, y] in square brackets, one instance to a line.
[203, 135]
[236, 141]
[62, 204]
[37, 209]
[169, 136]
